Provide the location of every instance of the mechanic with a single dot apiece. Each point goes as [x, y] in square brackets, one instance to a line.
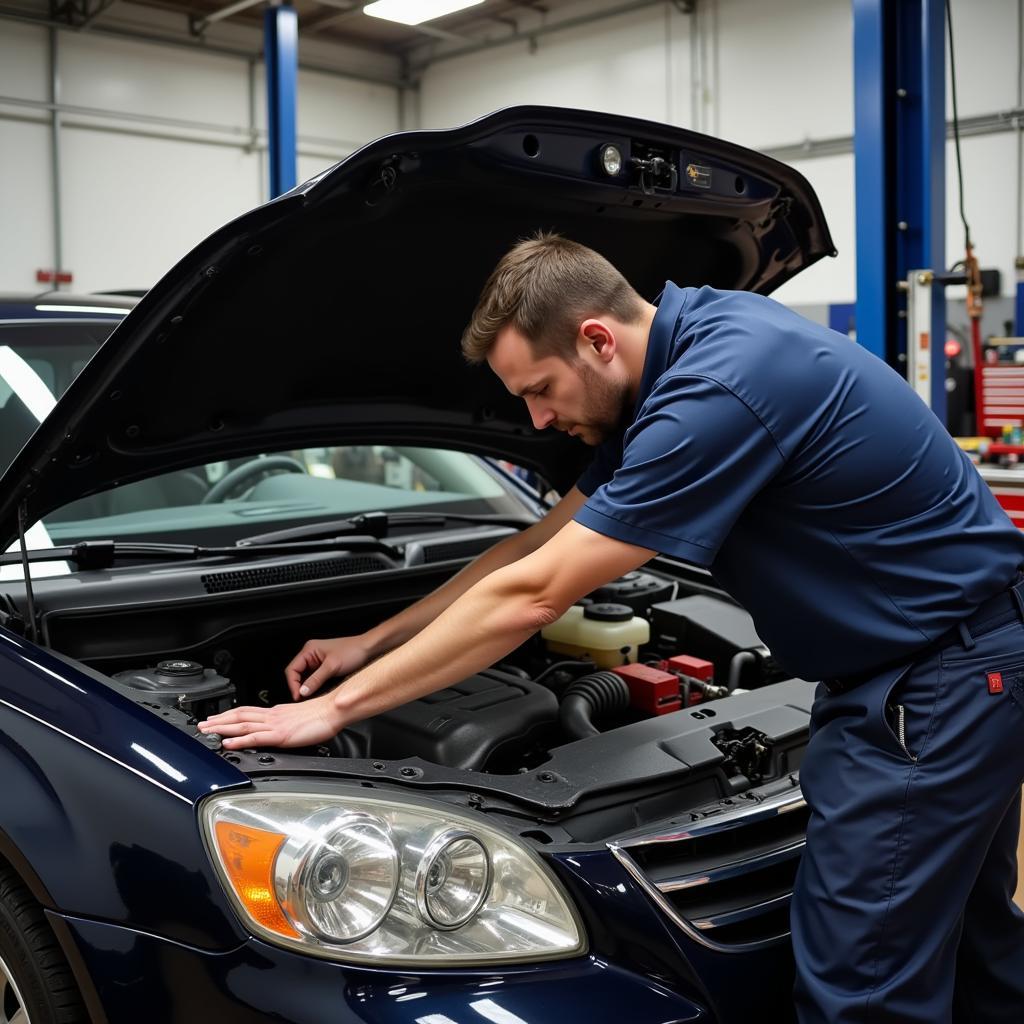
[822, 494]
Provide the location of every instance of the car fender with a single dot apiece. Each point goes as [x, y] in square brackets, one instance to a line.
[99, 809]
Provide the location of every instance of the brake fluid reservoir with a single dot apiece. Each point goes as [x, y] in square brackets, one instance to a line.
[606, 634]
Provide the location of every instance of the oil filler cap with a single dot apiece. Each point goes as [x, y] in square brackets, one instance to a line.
[608, 612]
[179, 668]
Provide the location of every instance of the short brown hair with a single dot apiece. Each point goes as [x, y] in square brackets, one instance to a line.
[545, 287]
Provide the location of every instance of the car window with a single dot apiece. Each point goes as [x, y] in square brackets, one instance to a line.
[226, 500]
[37, 363]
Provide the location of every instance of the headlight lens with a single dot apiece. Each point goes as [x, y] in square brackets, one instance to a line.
[339, 882]
[452, 879]
[367, 880]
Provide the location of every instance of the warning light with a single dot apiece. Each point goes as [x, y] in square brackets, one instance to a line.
[953, 348]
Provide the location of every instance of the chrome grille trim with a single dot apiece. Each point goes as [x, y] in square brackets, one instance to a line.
[717, 920]
[698, 928]
[740, 867]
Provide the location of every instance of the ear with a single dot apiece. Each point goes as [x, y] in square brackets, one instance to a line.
[595, 337]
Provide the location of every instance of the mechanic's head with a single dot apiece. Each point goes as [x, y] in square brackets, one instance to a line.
[550, 323]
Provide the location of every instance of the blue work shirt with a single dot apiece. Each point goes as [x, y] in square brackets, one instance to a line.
[808, 477]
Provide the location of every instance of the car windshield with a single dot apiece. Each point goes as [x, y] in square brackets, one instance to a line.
[221, 502]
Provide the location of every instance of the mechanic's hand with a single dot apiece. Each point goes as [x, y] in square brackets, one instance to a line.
[324, 659]
[284, 725]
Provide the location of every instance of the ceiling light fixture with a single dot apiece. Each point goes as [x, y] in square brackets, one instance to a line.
[415, 12]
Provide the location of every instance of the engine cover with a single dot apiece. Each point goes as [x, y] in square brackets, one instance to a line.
[463, 726]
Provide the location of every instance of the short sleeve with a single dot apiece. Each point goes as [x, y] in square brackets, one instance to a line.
[692, 461]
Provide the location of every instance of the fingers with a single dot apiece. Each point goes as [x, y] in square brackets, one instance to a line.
[245, 727]
[213, 723]
[266, 738]
[239, 728]
[316, 679]
[284, 725]
[294, 670]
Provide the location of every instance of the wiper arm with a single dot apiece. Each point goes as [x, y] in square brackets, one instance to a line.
[102, 554]
[373, 524]
[377, 524]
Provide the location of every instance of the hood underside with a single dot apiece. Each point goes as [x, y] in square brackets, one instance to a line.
[334, 313]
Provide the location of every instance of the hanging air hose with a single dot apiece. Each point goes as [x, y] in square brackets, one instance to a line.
[590, 697]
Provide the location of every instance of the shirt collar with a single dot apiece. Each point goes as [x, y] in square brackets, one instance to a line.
[659, 340]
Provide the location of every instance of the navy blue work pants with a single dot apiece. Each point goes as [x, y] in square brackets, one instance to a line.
[903, 908]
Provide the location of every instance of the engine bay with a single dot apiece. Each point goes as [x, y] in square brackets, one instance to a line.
[632, 650]
[651, 694]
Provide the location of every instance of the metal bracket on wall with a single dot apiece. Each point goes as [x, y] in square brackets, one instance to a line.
[922, 292]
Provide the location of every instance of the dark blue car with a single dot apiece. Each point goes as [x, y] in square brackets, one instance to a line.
[281, 441]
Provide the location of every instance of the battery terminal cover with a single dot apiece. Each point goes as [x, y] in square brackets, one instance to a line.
[651, 690]
[696, 678]
[694, 668]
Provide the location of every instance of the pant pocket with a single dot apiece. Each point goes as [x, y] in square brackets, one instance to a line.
[907, 709]
[1013, 683]
[896, 719]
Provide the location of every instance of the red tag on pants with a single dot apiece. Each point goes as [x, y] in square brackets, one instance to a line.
[995, 682]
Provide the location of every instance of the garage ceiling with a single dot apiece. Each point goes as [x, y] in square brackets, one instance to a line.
[342, 21]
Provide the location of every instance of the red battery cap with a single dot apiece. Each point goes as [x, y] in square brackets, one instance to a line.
[695, 668]
[995, 682]
[650, 689]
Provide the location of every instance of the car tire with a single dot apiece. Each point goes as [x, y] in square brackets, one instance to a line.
[36, 983]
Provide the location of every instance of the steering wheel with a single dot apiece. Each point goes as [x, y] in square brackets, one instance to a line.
[250, 470]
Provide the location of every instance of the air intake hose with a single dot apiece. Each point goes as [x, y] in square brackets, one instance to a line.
[592, 696]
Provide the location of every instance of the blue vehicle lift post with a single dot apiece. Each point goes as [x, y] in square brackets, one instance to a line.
[281, 53]
[900, 169]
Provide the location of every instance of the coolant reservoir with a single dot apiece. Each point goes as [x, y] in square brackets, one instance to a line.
[606, 634]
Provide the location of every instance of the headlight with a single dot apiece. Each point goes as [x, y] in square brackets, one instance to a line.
[362, 879]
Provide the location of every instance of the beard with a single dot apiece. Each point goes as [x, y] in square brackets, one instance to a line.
[604, 406]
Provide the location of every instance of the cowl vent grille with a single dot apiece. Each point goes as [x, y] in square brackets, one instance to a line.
[292, 572]
[455, 549]
[726, 879]
[427, 552]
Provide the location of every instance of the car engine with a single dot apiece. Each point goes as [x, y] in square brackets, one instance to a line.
[631, 650]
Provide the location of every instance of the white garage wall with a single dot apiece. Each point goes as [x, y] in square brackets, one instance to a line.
[149, 202]
[632, 64]
[171, 160]
[26, 224]
[137, 194]
[767, 75]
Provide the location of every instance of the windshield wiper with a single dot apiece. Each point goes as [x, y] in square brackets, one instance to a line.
[377, 524]
[102, 554]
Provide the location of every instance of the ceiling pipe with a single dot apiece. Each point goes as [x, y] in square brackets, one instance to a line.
[527, 34]
[199, 25]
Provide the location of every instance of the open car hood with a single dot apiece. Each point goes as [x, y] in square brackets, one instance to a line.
[333, 314]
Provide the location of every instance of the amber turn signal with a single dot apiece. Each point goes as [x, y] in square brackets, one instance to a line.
[248, 857]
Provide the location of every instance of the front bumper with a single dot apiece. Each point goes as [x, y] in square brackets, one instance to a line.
[136, 976]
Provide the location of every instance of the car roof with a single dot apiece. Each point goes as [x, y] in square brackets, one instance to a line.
[50, 305]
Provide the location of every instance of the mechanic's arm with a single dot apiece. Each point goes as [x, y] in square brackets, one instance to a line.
[493, 617]
[322, 660]
[408, 622]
